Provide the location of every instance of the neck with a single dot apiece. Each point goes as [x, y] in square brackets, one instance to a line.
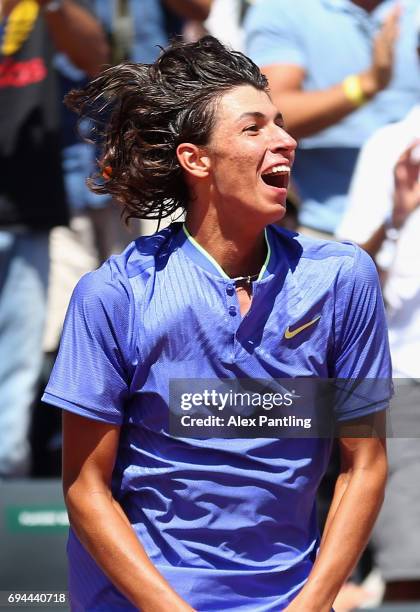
[237, 252]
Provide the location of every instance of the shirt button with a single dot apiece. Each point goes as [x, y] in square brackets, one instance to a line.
[232, 310]
[230, 289]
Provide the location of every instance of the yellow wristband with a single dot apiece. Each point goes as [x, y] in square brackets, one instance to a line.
[353, 90]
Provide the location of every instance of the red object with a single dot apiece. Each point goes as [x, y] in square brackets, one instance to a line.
[107, 172]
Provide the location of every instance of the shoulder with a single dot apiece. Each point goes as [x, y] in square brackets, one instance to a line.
[272, 15]
[274, 11]
[273, 7]
[275, 32]
[306, 248]
[344, 256]
[112, 283]
[325, 262]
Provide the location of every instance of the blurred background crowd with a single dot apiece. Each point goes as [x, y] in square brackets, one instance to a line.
[346, 76]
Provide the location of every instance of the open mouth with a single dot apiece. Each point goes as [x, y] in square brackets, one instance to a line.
[277, 177]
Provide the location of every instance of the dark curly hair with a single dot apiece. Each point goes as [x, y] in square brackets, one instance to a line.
[142, 112]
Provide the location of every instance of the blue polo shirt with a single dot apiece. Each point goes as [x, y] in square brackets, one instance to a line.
[331, 39]
[231, 524]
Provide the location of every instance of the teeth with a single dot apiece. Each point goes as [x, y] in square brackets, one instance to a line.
[276, 169]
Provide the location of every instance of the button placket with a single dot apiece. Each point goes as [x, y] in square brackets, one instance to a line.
[244, 323]
[232, 316]
[232, 303]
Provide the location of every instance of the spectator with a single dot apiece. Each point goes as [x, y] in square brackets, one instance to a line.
[338, 69]
[32, 198]
[388, 202]
[372, 193]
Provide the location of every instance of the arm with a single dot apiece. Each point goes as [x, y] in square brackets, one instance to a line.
[78, 34]
[89, 451]
[406, 197]
[349, 522]
[309, 112]
[190, 9]
[361, 365]
[406, 185]
[375, 241]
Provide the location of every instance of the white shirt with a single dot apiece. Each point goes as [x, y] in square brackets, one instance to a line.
[224, 23]
[370, 201]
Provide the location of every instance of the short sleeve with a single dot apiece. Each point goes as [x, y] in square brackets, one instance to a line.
[272, 34]
[91, 375]
[362, 360]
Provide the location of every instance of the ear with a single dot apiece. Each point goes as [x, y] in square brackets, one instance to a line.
[193, 159]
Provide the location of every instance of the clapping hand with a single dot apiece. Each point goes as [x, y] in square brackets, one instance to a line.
[378, 76]
[406, 184]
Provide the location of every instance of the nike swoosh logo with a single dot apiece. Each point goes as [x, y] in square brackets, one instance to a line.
[291, 334]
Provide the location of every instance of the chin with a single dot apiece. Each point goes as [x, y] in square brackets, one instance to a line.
[276, 212]
[259, 212]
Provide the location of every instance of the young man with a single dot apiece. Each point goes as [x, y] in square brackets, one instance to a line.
[161, 523]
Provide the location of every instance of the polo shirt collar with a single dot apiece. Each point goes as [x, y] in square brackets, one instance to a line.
[198, 254]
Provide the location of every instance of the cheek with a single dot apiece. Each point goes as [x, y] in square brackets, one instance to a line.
[235, 175]
[235, 163]
[243, 162]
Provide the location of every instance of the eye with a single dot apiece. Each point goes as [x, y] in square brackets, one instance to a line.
[251, 128]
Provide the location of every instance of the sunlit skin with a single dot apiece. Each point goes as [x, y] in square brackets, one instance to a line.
[231, 205]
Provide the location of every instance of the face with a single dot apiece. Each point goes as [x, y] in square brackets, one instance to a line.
[250, 156]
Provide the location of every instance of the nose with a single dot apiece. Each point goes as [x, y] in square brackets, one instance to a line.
[282, 141]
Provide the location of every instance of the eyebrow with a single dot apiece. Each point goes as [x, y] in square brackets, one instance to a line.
[258, 115]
